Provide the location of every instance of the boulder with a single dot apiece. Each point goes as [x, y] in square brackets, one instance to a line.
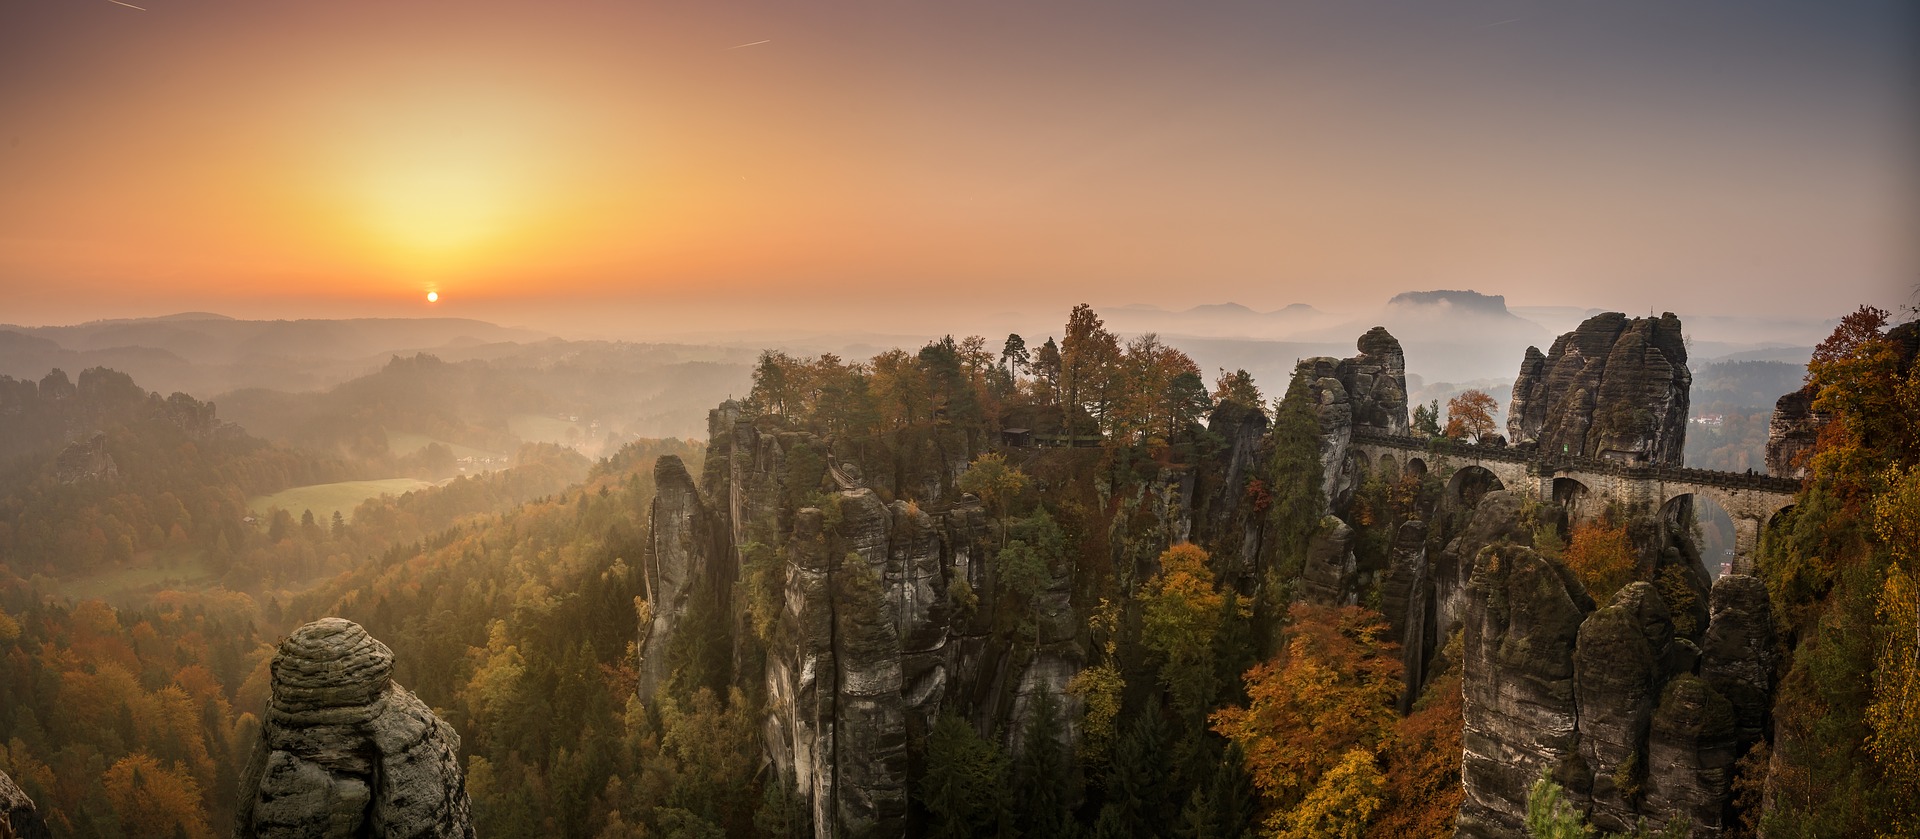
[346, 752]
[1737, 655]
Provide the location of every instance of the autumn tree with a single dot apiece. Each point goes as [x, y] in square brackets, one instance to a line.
[1238, 387]
[1046, 371]
[1341, 805]
[1329, 691]
[1089, 355]
[154, 800]
[1602, 557]
[1181, 612]
[1014, 355]
[996, 483]
[1470, 416]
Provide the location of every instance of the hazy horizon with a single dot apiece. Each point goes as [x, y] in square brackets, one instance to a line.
[619, 169]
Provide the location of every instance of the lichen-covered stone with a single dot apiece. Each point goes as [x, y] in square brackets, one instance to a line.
[1328, 574]
[1615, 387]
[1691, 751]
[345, 752]
[1618, 670]
[1737, 655]
[1520, 719]
[688, 557]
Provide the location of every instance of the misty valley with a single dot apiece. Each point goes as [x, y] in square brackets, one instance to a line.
[452, 580]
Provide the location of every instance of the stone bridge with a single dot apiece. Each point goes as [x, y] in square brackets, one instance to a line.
[1585, 486]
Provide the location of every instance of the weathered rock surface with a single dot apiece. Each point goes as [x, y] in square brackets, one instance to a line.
[1618, 669]
[1615, 387]
[1520, 718]
[85, 461]
[1791, 433]
[1690, 756]
[688, 558]
[345, 752]
[883, 626]
[1403, 599]
[19, 819]
[1737, 654]
[1368, 391]
[1328, 574]
[1495, 520]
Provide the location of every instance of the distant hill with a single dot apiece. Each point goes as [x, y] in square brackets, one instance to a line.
[204, 353]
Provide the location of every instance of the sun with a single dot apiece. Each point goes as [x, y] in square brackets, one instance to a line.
[433, 297]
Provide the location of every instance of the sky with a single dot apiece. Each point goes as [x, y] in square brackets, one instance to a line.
[661, 166]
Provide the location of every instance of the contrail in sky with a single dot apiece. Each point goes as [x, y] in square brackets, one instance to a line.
[734, 47]
[128, 5]
[1500, 23]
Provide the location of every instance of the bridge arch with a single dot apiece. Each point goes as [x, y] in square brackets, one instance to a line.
[1576, 497]
[1471, 482]
[1389, 467]
[1417, 467]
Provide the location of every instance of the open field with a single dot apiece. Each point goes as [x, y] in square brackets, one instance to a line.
[182, 569]
[404, 443]
[324, 499]
[541, 428]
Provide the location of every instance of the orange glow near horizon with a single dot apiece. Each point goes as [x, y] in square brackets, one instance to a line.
[1113, 152]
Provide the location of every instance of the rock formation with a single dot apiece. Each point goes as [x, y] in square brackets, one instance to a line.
[19, 819]
[1367, 391]
[86, 461]
[688, 558]
[1327, 575]
[1615, 387]
[345, 752]
[1791, 433]
[882, 618]
[1520, 717]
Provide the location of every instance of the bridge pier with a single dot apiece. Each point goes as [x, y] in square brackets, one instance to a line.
[1746, 542]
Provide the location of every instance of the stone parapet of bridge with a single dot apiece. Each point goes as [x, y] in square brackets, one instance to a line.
[1587, 485]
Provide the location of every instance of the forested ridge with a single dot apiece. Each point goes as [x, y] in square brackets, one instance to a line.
[1165, 540]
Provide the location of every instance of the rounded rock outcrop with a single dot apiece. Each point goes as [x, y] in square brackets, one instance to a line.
[345, 752]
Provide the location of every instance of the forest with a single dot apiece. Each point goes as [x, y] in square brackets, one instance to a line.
[1216, 694]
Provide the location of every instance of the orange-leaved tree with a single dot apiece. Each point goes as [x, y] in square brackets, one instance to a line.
[1329, 691]
[1470, 416]
[1600, 555]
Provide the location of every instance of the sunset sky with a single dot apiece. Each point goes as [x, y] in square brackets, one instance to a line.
[663, 162]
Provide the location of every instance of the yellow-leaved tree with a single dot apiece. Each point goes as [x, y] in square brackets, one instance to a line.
[1894, 713]
[1329, 693]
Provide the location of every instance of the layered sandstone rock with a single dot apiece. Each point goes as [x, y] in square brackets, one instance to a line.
[1791, 433]
[1367, 391]
[1619, 666]
[1737, 654]
[1520, 717]
[688, 558]
[345, 752]
[19, 819]
[1615, 387]
[1327, 577]
[86, 461]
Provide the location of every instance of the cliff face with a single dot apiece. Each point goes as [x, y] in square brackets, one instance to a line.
[1367, 391]
[19, 819]
[688, 558]
[1614, 387]
[1791, 433]
[1520, 719]
[882, 620]
[346, 752]
[1634, 720]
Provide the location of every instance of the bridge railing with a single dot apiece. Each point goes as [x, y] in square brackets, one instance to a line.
[1548, 464]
